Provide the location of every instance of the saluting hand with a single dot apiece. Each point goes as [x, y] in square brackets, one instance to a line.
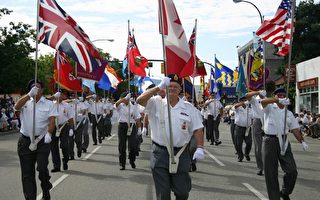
[33, 92]
[164, 83]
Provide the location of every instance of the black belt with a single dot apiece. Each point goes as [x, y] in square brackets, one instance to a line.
[27, 137]
[272, 136]
[161, 146]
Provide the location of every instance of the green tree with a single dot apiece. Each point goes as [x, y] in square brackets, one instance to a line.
[17, 68]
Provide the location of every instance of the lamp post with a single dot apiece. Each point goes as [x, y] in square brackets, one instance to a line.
[263, 43]
[239, 1]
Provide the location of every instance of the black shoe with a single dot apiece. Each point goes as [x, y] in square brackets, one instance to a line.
[133, 165]
[259, 172]
[247, 157]
[71, 158]
[46, 195]
[211, 143]
[100, 140]
[65, 166]
[84, 150]
[193, 167]
[55, 170]
[79, 153]
[240, 159]
[123, 167]
[217, 143]
[284, 196]
[95, 143]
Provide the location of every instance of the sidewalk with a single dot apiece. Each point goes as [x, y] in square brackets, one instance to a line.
[9, 132]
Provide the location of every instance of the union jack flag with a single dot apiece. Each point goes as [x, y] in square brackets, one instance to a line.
[60, 31]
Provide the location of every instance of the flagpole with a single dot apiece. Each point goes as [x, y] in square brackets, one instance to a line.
[293, 7]
[167, 89]
[58, 66]
[75, 97]
[128, 64]
[195, 60]
[32, 138]
[264, 64]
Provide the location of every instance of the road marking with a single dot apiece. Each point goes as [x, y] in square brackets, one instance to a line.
[111, 137]
[254, 191]
[214, 158]
[59, 180]
[90, 154]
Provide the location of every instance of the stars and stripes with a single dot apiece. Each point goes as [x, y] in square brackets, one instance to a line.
[278, 30]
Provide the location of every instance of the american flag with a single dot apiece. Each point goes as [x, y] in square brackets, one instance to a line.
[60, 31]
[278, 30]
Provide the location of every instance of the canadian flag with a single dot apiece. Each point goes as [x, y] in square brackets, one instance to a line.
[175, 40]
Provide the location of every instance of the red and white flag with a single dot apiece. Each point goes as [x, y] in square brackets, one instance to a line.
[189, 68]
[175, 40]
[278, 30]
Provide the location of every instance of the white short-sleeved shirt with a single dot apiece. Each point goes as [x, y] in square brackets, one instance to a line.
[214, 108]
[274, 120]
[107, 107]
[257, 109]
[204, 113]
[185, 119]
[44, 110]
[65, 112]
[123, 111]
[243, 116]
[82, 110]
[95, 108]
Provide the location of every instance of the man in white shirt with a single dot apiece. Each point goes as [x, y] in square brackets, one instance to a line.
[215, 111]
[64, 129]
[185, 123]
[243, 122]
[275, 146]
[129, 116]
[45, 114]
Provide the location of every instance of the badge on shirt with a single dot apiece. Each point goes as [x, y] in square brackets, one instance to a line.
[184, 126]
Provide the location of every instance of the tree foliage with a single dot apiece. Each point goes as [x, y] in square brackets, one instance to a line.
[17, 68]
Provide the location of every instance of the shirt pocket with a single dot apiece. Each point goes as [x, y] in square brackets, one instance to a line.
[184, 123]
[43, 113]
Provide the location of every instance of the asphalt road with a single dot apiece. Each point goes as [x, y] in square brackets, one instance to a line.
[96, 174]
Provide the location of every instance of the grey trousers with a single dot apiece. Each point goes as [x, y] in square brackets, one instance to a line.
[232, 131]
[257, 134]
[271, 157]
[213, 126]
[179, 183]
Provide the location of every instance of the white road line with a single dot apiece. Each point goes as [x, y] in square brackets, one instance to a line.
[90, 154]
[214, 158]
[59, 180]
[109, 138]
[254, 191]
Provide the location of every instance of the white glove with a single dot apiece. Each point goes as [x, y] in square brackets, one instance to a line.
[33, 92]
[144, 131]
[90, 124]
[80, 98]
[94, 96]
[284, 101]
[57, 95]
[47, 138]
[139, 132]
[71, 132]
[104, 115]
[76, 101]
[164, 83]
[199, 154]
[262, 93]
[128, 96]
[305, 147]
[246, 103]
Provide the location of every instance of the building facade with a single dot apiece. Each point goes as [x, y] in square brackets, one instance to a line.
[308, 86]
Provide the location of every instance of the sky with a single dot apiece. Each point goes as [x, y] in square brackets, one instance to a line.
[222, 24]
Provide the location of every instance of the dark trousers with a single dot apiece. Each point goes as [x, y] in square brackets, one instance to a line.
[271, 157]
[28, 160]
[107, 127]
[132, 143]
[257, 134]
[76, 138]
[64, 145]
[232, 131]
[213, 126]
[179, 183]
[240, 137]
[83, 130]
[205, 124]
[101, 128]
[93, 121]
